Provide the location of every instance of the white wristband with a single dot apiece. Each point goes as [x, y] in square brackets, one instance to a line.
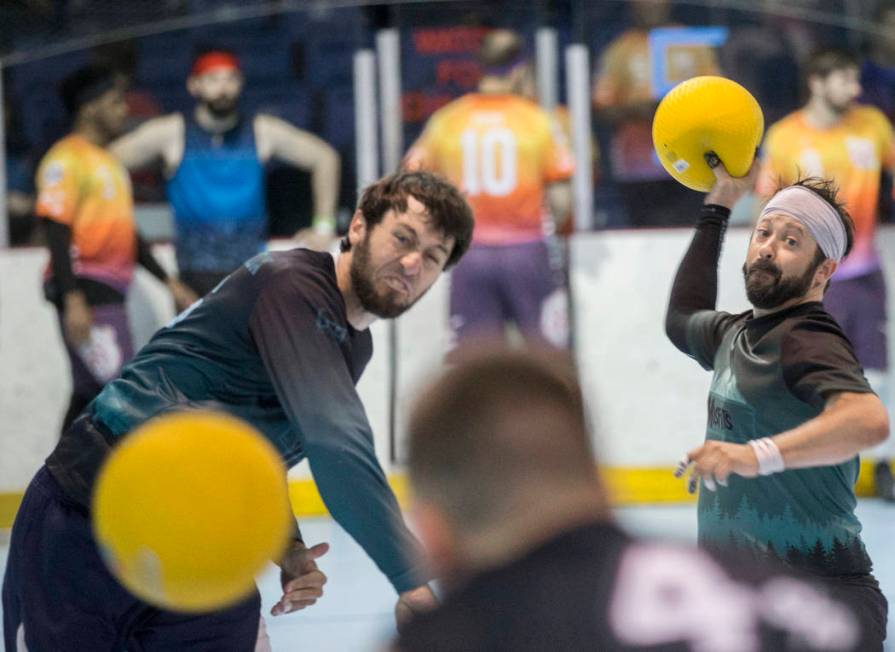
[770, 460]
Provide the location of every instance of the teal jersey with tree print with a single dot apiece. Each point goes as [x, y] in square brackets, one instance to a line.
[772, 374]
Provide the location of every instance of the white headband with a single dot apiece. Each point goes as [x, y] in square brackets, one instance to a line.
[815, 214]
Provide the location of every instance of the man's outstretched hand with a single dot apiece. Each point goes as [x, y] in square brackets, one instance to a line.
[412, 602]
[302, 581]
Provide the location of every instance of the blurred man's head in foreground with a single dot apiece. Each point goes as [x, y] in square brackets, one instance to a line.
[500, 458]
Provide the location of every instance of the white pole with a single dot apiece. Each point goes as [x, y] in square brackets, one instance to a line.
[578, 88]
[388, 50]
[547, 67]
[365, 117]
[4, 216]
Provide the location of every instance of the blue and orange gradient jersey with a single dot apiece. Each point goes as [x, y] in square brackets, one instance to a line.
[502, 151]
[85, 188]
[853, 153]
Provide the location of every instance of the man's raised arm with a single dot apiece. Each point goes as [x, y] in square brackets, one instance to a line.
[695, 285]
[157, 140]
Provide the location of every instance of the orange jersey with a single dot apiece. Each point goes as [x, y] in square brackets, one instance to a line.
[84, 187]
[852, 153]
[624, 78]
[501, 151]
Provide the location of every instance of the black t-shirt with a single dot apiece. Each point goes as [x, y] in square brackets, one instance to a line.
[270, 345]
[594, 588]
[815, 357]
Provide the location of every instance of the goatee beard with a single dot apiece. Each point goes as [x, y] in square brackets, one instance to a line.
[384, 306]
[766, 296]
[219, 111]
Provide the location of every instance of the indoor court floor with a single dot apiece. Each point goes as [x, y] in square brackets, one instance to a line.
[355, 614]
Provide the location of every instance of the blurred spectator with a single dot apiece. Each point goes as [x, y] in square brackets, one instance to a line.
[563, 119]
[85, 201]
[804, 33]
[878, 84]
[507, 154]
[832, 137]
[517, 524]
[767, 67]
[21, 20]
[19, 178]
[624, 97]
[878, 71]
[214, 160]
[121, 56]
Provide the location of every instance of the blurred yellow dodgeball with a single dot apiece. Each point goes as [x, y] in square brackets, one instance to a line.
[189, 508]
[707, 114]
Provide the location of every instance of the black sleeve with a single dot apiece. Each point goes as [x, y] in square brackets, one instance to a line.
[691, 322]
[59, 243]
[148, 260]
[818, 361]
[298, 338]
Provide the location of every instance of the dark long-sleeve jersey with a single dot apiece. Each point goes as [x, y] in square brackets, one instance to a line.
[770, 374]
[271, 345]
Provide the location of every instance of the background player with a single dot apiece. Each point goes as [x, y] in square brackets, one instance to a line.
[835, 138]
[505, 153]
[214, 163]
[878, 68]
[280, 344]
[514, 517]
[625, 99]
[789, 408]
[84, 198]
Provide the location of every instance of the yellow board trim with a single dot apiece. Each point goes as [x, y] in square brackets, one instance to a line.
[627, 486]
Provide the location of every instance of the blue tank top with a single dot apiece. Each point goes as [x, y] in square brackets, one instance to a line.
[217, 195]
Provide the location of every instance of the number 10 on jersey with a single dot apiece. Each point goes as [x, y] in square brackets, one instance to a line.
[489, 161]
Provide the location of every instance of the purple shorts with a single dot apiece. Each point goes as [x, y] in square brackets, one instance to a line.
[859, 305]
[522, 284]
[110, 346]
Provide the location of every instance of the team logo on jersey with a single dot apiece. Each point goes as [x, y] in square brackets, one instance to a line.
[101, 353]
[555, 318]
[53, 173]
[331, 327]
[862, 153]
[718, 416]
[106, 181]
[810, 163]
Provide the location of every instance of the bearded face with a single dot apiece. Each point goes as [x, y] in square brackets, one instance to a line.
[840, 89]
[388, 297]
[218, 90]
[766, 287]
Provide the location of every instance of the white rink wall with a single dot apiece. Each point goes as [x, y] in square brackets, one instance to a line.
[647, 400]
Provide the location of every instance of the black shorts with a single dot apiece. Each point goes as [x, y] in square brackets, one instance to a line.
[58, 595]
[862, 594]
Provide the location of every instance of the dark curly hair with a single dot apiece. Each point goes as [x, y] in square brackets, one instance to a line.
[446, 207]
[85, 85]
